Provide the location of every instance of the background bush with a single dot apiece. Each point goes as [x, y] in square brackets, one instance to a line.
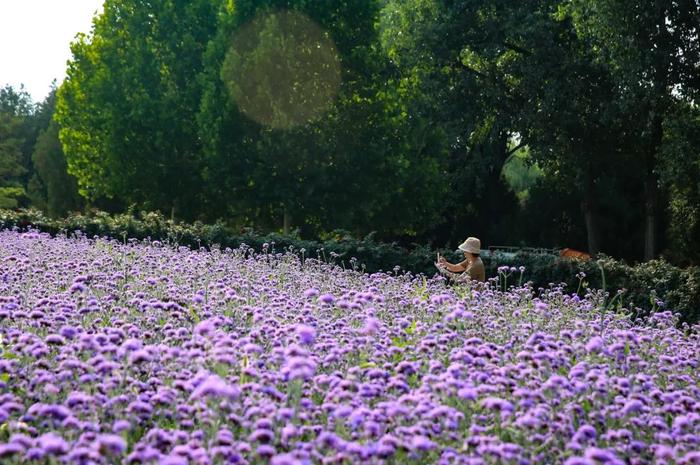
[645, 287]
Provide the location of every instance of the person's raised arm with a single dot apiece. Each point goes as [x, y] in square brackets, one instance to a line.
[455, 268]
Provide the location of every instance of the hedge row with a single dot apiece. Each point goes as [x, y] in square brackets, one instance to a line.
[646, 286]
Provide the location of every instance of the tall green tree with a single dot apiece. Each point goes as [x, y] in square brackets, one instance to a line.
[16, 110]
[569, 116]
[652, 48]
[435, 43]
[352, 166]
[679, 171]
[16, 102]
[51, 188]
[503, 75]
[11, 169]
[126, 110]
[18, 105]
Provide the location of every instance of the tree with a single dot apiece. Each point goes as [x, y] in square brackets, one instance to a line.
[434, 44]
[17, 104]
[11, 169]
[502, 75]
[652, 49]
[54, 188]
[679, 170]
[50, 187]
[353, 165]
[127, 107]
[570, 117]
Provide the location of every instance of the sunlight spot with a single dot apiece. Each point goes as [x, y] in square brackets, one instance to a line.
[282, 69]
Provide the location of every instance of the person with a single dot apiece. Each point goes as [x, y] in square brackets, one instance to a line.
[471, 266]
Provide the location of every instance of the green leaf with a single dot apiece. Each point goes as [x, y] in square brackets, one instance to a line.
[412, 328]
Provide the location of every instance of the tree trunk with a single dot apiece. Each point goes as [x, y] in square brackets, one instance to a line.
[650, 193]
[651, 190]
[589, 206]
[287, 221]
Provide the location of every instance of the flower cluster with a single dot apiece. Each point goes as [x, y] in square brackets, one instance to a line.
[138, 353]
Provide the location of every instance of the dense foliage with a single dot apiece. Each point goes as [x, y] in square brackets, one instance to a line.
[33, 169]
[646, 287]
[555, 123]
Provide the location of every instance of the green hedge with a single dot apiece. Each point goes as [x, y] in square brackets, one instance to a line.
[645, 285]
[650, 285]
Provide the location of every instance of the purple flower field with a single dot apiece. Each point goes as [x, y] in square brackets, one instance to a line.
[143, 353]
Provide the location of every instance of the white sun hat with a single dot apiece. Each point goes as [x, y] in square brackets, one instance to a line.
[471, 245]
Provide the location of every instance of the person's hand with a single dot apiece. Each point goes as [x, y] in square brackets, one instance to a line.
[442, 260]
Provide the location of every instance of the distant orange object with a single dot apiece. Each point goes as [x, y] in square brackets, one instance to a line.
[574, 254]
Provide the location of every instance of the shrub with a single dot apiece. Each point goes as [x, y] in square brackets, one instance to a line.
[645, 287]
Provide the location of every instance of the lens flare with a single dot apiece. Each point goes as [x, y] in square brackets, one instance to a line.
[282, 69]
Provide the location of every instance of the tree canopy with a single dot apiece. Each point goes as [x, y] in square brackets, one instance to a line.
[554, 123]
